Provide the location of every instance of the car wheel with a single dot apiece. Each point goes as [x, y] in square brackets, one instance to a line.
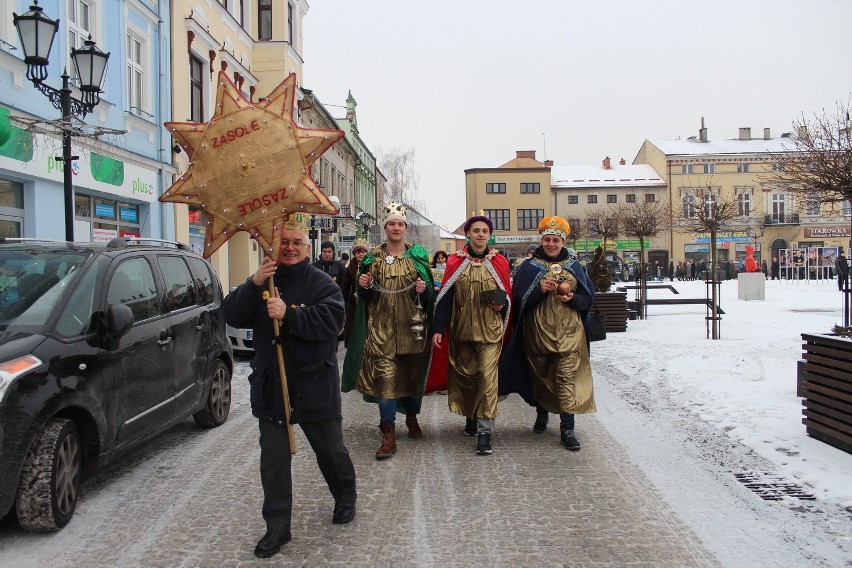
[50, 478]
[218, 404]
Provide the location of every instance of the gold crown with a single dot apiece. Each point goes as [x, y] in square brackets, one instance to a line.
[360, 242]
[395, 210]
[297, 222]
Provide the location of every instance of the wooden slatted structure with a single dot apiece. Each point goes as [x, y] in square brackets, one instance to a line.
[614, 306]
[824, 381]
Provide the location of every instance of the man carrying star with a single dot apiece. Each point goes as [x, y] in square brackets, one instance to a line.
[387, 361]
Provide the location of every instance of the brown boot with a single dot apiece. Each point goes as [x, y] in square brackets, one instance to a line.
[414, 430]
[388, 447]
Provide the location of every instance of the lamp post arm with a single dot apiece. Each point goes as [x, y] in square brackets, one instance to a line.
[76, 107]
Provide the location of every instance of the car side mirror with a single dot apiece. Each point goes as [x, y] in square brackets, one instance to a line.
[119, 320]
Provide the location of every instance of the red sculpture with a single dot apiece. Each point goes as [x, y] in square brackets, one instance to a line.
[751, 264]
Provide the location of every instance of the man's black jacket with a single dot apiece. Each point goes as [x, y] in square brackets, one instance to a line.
[309, 331]
[333, 268]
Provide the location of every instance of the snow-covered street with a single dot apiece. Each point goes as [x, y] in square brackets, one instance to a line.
[683, 424]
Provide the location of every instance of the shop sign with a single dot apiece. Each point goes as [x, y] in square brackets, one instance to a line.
[826, 232]
[611, 244]
[508, 239]
[724, 237]
[696, 248]
[129, 214]
[103, 235]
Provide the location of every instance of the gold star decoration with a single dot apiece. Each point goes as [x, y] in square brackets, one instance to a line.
[250, 166]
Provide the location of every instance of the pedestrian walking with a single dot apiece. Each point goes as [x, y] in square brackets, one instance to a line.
[388, 355]
[328, 264]
[546, 360]
[309, 307]
[350, 286]
[841, 265]
[671, 271]
[775, 268]
[471, 315]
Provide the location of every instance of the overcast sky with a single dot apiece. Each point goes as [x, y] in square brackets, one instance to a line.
[468, 82]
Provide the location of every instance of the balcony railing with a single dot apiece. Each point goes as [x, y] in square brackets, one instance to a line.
[781, 219]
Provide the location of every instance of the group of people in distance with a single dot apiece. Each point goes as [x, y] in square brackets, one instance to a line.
[479, 334]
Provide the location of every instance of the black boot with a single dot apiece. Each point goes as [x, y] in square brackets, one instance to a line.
[483, 444]
[540, 425]
[567, 438]
[470, 427]
[271, 543]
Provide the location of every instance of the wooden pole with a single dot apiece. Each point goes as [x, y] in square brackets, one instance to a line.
[279, 351]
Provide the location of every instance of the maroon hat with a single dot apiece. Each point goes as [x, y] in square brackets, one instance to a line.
[476, 218]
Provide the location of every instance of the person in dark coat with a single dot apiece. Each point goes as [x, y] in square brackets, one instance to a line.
[841, 265]
[310, 308]
[329, 265]
[775, 267]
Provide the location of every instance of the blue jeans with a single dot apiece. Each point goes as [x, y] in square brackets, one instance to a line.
[387, 407]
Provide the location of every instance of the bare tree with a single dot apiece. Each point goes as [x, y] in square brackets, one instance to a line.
[643, 220]
[817, 168]
[705, 209]
[602, 223]
[399, 166]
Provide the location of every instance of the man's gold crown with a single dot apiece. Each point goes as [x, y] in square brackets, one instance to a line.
[298, 222]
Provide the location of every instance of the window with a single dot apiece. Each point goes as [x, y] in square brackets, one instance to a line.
[845, 209]
[203, 280]
[573, 199]
[709, 168]
[744, 203]
[777, 167]
[688, 207]
[180, 288]
[242, 14]
[495, 188]
[290, 32]
[80, 18]
[528, 219]
[710, 205]
[264, 20]
[612, 199]
[530, 188]
[575, 224]
[742, 168]
[812, 204]
[593, 226]
[135, 73]
[500, 218]
[686, 169]
[779, 204]
[650, 198]
[132, 284]
[196, 89]
[591, 199]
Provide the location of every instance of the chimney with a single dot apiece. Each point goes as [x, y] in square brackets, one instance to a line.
[702, 132]
[605, 163]
[621, 162]
[525, 154]
[548, 163]
[766, 135]
[745, 133]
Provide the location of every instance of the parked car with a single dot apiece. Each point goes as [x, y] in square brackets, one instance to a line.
[102, 347]
[242, 340]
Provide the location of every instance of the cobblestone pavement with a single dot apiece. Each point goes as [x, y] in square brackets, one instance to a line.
[192, 498]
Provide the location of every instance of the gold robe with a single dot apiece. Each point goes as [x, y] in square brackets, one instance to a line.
[475, 339]
[394, 362]
[555, 345]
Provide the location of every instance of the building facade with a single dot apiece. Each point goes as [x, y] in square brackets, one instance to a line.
[742, 169]
[580, 193]
[515, 196]
[124, 155]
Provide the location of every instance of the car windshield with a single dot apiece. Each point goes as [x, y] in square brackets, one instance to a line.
[32, 283]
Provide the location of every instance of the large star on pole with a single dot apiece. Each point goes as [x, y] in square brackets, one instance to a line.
[250, 166]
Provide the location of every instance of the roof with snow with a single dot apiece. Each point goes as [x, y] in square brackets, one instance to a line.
[693, 147]
[639, 175]
[445, 234]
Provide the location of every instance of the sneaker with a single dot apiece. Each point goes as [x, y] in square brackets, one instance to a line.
[470, 427]
[568, 440]
[483, 444]
[540, 421]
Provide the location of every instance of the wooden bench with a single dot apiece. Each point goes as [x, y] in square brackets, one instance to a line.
[673, 301]
[613, 305]
[649, 287]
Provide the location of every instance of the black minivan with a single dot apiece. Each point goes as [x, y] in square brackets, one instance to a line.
[102, 346]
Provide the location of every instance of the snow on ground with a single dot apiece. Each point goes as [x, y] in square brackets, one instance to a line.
[744, 384]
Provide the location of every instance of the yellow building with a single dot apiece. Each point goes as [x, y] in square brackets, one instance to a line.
[516, 196]
[740, 168]
[258, 44]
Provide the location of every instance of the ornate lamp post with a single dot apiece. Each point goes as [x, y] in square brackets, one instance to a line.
[36, 32]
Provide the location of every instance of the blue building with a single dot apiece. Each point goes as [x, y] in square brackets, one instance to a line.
[120, 173]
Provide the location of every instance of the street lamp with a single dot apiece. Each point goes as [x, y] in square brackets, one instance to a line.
[36, 32]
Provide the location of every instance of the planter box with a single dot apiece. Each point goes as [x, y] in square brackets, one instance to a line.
[614, 306]
[824, 381]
